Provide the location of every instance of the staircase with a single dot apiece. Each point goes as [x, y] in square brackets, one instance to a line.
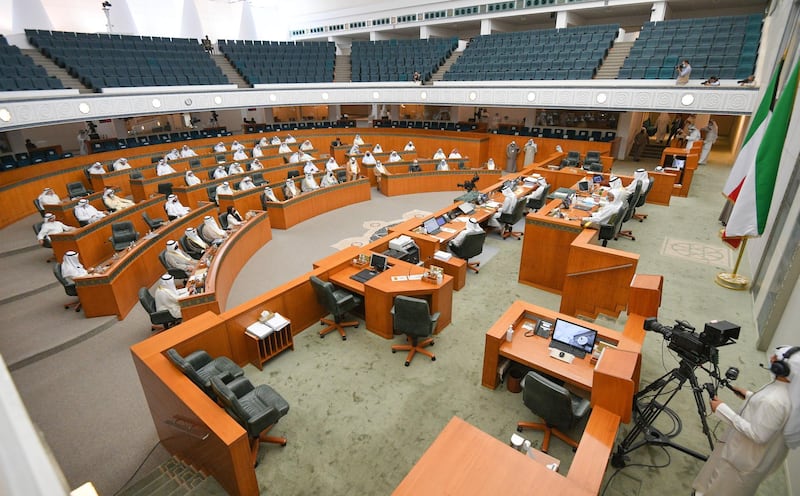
[174, 478]
[342, 70]
[54, 70]
[439, 74]
[614, 60]
[653, 150]
[229, 71]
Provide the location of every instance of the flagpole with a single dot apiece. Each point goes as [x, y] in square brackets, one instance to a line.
[732, 280]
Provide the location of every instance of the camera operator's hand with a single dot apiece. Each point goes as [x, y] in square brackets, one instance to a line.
[715, 402]
[740, 392]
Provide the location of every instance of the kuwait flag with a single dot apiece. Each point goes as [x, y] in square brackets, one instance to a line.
[753, 193]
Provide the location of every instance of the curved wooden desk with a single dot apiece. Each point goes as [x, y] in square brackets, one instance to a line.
[226, 263]
[423, 182]
[114, 291]
[285, 214]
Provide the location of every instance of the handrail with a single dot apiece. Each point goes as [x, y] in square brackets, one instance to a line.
[585, 272]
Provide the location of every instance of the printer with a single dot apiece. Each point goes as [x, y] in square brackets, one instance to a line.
[403, 248]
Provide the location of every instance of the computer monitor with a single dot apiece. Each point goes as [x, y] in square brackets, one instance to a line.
[377, 262]
[467, 208]
[574, 335]
[583, 185]
[441, 220]
[431, 226]
[597, 178]
[566, 202]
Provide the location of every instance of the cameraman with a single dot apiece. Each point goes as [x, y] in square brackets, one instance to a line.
[684, 71]
[759, 437]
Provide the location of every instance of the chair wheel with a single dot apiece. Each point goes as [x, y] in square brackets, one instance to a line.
[283, 444]
[321, 322]
[408, 363]
[322, 336]
[66, 307]
[433, 359]
[356, 326]
[633, 239]
[573, 450]
[394, 351]
[519, 429]
[78, 309]
[344, 338]
[432, 343]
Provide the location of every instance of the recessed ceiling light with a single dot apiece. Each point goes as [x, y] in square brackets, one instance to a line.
[375, 95]
[531, 96]
[273, 97]
[83, 108]
[473, 96]
[687, 99]
[601, 98]
[324, 95]
[218, 99]
[5, 115]
[423, 95]
[156, 103]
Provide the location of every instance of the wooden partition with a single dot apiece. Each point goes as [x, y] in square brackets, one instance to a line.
[64, 211]
[683, 177]
[286, 214]
[406, 183]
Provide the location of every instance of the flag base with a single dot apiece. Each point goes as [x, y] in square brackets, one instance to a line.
[733, 281]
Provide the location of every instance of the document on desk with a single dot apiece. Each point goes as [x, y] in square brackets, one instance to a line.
[448, 230]
[399, 278]
[415, 277]
[492, 204]
[259, 330]
[277, 322]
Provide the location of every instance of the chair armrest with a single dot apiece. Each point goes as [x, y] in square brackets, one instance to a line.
[342, 297]
[198, 359]
[161, 317]
[606, 231]
[435, 319]
[269, 416]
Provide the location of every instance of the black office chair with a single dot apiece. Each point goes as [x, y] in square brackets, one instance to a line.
[165, 189]
[123, 234]
[633, 199]
[69, 288]
[189, 248]
[258, 178]
[592, 162]
[573, 159]
[292, 174]
[176, 273]
[471, 246]
[45, 242]
[536, 204]
[159, 320]
[220, 159]
[81, 223]
[414, 168]
[341, 175]
[336, 302]
[611, 229]
[194, 163]
[199, 367]
[135, 174]
[212, 193]
[77, 190]
[555, 405]
[39, 207]
[508, 220]
[223, 220]
[152, 223]
[257, 409]
[642, 201]
[412, 317]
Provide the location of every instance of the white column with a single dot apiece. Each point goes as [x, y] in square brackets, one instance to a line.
[424, 32]
[29, 14]
[486, 26]
[659, 11]
[564, 19]
[190, 21]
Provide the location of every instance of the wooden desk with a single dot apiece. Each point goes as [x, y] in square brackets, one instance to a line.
[379, 293]
[115, 290]
[285, 214]
[226, 263]
[423, 182]
[465, 461]
[64, 210]
[683, 180]
[144, 188]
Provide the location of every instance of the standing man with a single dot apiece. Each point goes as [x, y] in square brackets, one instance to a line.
[83, 142]
[712, 132]
[530, 152]
[512, 150]
[759, 436]
[684, 70]
[639, 144]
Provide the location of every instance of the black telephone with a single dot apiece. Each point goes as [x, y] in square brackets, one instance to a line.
[543, 329]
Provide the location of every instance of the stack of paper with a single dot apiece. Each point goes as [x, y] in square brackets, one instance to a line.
[277, 322]
[442, 255]
[261, 330]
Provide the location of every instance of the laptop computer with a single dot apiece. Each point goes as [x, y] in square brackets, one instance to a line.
[573, 338]
[431, 226]
[467, 208]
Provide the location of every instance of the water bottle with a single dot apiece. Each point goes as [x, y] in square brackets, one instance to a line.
[510, 333]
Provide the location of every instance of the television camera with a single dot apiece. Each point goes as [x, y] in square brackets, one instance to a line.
[469, 185]
[697, 348]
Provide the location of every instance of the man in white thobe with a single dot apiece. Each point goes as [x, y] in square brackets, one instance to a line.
[240, 155]
[86, 213]
[51, 226]
[71, 266]
[509, 203]
[331, 165]
[191, 179]
[212, 231]
[172, 155]
[255, 165]
[309, 183]
[220, 148]
[377, 148]
[454, 153]
[187, 152]
[604, 214]
[121, 164]
[306, 146]
[246, 184]
[409, 147]
[712, 132]
[530, 150]
[289, 189]
[220, 172]
[235, 168]
[97, 168]
[368, 159]
[442, 165]
[310, 168]
[353, 170]
[49, 197]
[472, 228]
[114, 202]
[269, 195]
[394, 157]
[284, 148]
[439, 155]
[177, 259]
[175, 208]
[166, 296]
[163, 168]
[357, 141]
[329, 179]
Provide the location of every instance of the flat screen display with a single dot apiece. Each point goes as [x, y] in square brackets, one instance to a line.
[378, 262]
[441, 220]
[574, 335]
[431, 226]
[583, 185]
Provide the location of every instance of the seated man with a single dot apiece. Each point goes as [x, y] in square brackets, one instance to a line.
[49, 197]
[354, 150]
[235, 168]
[310, 168]
[163, 168]
[615, 184]
[603, 214]
[86, 213]
[490, 164]
[114, 202]
[439, 155]
[220, 148]
[639, 176]
[212, 231]
[442, 165]
[368, 159]
[275, 141]
[294, 158]
[194, 243]
[377, 148]
[257, 151]
[538, 189]
[414, 167]
[71, 267]
[357, 141]
[97, 168]
[166, 296]
[121, 164]
[233, 217]
[306, 146]
[329, 179]
[394, 157]
[509, 203]
[472, 228]
[187, 152]
[177, 259]
[246, 183]
[284, 148]
[454, 154]
[191, 179]
[255, 165]
[263, 142]
[224, 188]
[308, 183]
[289, 189]
[220, 172]
[236, 146]
[409, 147]
[380, 171]
[331, 165]
[305, 157]
[240, 155]
[51, 226]
[172, 155]
[175, 208]
[353, 170]
[290, 139]
[269, 195]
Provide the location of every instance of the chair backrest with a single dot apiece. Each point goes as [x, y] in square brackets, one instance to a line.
[632, 200]
[573, 155]
[341, 175]
[201, 231]
[548, 400]
[194, 163]
[515, 215]
[324, 291]
[38, 205]
[643, 196]
[147, 300]
[136, 175]
[592, 157]
[123, 232]
[412, 316]
[165, 189]
[220, 159]
[212, 193]
[292, 173]
[151, 223]
[76, 189]
[538, 203]
[471, 246]
[258, 178]
[69, 287]
[223, 220]
[187, 369]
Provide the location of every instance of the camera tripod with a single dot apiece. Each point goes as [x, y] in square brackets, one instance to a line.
[645, 414]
